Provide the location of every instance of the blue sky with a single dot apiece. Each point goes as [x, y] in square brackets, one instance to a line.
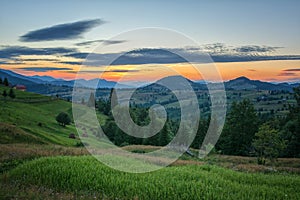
[274, 23]
[59, 34]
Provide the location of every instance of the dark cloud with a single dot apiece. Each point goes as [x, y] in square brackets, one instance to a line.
[147, 56]
[87, 43]
[105, 71]
[3, 62]
[138, 56]
[122, 70]
[44, 69]
[90, 71]
[39, 59]
[105, 42]
[249, 58]
[287, 74]
[111, 42]
[256, 49]
[71, 62]
[79, 55]
[292, 70]
[11, 52]
[71, 72]
[165, 56]
[12, 63]
[223, 49]
[216, 48]
[62, 31]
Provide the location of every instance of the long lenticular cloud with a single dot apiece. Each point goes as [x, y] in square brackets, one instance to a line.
[61, 31]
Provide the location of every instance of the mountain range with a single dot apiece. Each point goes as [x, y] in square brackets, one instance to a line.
[32, 82]
[44, 84]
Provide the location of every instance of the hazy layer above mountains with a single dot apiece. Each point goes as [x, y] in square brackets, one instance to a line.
[43, 84]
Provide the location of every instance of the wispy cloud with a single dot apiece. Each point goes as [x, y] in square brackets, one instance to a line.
[217, 52]
[250, 50]
[123, 70]
[106, 71]
[44, 69]
[105, 42]
[111, 42]
[176, 55]
[70, 62]
[215, 48]
[38, 59]
[256, 49]
[287, 74]
[292, 70]
[61, 31]
[12, 52]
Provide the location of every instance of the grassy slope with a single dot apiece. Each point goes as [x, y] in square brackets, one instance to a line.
[12, 134]
[19, 120]
[85, 174]
[28, 110]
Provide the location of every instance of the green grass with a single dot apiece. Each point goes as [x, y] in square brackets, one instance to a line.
[34, 114]
[12, 134]
[86, 175]
[275, 103]
[37, 117]
[30, 120]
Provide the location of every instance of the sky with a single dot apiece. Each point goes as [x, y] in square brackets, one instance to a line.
[257, 39]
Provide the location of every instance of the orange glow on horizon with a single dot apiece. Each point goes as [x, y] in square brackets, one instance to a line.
[279, 70]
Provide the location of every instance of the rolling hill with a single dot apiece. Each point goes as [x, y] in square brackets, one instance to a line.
[243, 83]
[49, 85]
[31, 117]
[240, 83]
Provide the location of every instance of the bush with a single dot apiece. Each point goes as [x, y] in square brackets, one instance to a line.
[63, 119]
[267, 144]
[11, 93]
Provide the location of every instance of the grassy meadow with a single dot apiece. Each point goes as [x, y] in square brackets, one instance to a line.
[38, 160]
[84, 175]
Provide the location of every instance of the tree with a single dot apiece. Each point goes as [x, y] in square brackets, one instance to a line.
[91, 102]
[5, 82]
[110, 129]
[11, 93]
[201, 132]
[291, 128]
[297, 95]
[239, 130]
[267, 144]
[113, 100]
[1, 81]
[63, 119]
[4, 93]
[164, 135]
[103, 106]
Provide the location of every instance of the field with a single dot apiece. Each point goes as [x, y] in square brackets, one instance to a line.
[38, 160]
[84, 175]
[35, 114]
[265, 102]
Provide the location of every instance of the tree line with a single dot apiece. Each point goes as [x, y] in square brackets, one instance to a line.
[244, 134]
[10, 93]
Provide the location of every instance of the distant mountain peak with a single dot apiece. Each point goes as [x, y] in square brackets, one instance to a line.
[244, 78]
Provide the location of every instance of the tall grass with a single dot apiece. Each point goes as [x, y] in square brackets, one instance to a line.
[84, 173]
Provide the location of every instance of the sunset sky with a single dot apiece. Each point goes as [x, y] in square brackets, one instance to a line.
[256, 39]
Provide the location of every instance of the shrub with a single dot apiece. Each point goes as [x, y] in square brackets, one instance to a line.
[63, 119]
